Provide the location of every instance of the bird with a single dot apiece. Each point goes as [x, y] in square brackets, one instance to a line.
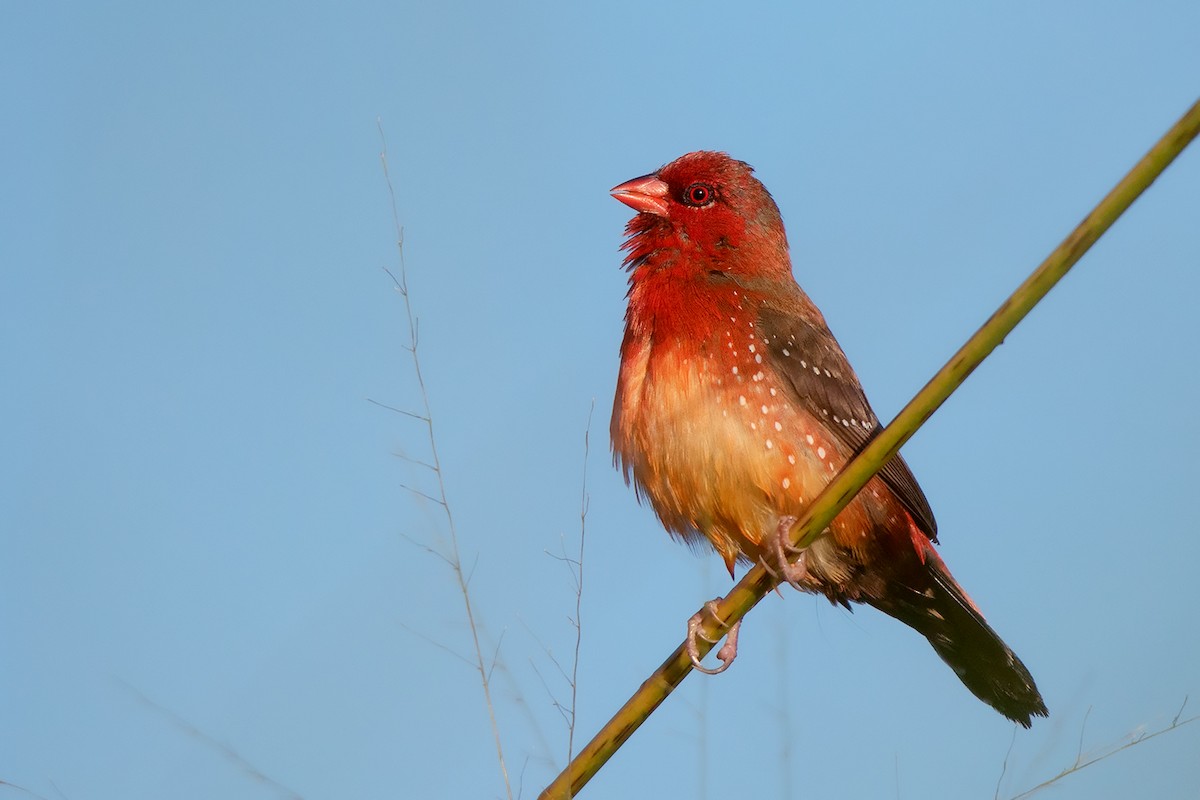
[735, 405]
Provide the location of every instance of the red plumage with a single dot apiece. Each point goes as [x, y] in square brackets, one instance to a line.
[735, 406]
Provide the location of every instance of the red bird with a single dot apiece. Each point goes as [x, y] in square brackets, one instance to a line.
[735, 406]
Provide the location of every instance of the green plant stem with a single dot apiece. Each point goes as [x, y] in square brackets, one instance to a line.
[757, 583]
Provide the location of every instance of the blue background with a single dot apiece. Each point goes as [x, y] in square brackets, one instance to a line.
[210, 569]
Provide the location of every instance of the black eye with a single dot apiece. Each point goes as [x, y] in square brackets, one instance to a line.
[698, 194]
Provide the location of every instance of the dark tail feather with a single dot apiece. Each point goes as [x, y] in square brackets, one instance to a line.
[944, 615]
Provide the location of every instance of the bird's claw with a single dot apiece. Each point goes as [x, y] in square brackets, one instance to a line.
[728, 651]
[790, 572]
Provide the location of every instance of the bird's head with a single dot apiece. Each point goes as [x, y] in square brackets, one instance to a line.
[709, 208]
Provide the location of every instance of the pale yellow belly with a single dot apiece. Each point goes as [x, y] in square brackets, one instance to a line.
[722, 456]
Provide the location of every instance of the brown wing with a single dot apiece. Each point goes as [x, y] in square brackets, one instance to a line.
[812, 360]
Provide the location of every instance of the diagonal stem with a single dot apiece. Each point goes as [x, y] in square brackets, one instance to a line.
[757, 583]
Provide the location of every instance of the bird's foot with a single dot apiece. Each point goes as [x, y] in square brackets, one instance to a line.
[794, 573]
[728, 651]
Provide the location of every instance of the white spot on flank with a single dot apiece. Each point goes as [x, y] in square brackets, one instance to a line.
[764, 409]
[785, 352]
[757, 357]
[742, 399]
[803, 363]
[817, 370]
[772, 391]
[770, 444]
[791, 459]
[845, 424]
[758, 376]
[753, 426]
[809, 438]
[827, 374]
[787, 482]
[751, 348]
[820, 452]
[735, 370]
[778, 426]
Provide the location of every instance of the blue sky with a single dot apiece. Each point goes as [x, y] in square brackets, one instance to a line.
[206, 539]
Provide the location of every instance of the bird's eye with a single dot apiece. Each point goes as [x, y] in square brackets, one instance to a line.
[698, 194]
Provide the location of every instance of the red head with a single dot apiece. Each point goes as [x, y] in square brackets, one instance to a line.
[709, 209]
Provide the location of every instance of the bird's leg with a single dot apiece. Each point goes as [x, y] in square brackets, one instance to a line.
[728, 651]
[793, 572]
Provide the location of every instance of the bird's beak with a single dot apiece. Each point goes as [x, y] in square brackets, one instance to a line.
[647, 194]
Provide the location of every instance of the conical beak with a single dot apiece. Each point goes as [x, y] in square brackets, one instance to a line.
[647, 194]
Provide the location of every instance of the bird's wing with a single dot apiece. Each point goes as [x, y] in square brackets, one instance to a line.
[808, 356]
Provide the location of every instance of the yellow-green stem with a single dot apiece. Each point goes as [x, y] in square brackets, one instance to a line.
[757, 583]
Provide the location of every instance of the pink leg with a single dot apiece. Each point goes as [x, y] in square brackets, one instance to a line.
[728, 651]
[793, 572]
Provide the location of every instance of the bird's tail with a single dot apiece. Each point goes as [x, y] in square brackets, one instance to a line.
[941, 612]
